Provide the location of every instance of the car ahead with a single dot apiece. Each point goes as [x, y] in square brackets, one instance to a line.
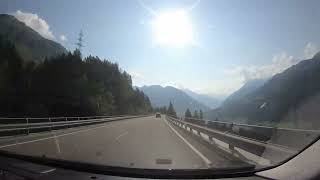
[158, 115]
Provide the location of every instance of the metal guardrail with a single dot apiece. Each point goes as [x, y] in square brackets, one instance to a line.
[237, 138]
[292, 138]
[34, 125]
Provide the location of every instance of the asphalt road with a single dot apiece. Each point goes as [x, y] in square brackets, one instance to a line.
[147, 142]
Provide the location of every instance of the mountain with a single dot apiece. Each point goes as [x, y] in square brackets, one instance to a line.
[294, 92]
[207, 100]
[233, 103]
[161, 96]
[30, 45]
[246, 89]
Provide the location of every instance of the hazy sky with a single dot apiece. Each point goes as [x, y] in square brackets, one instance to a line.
[208, 46]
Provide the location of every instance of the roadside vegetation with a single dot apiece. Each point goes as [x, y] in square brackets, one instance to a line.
[65, 85]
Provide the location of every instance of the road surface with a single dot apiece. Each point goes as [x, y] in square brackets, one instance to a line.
[146, 142]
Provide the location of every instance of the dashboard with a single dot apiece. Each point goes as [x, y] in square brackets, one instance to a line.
[302, 166]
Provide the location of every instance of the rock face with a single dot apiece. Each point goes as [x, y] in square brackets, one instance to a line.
[305, 116]
[288, 99]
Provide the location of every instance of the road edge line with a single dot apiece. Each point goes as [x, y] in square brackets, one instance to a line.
[203, 157]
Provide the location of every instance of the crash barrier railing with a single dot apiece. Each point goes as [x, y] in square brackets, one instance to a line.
[289, 137]
[24, 126]
[258, 144]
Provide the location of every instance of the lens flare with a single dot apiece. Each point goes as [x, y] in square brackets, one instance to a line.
[172, 28]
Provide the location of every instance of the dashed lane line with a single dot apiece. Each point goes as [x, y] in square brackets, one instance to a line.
[121, 135]
[55, 136]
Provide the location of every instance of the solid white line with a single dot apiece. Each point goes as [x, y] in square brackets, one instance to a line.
[54, 136]
[57, 144]
[205, 159]
[123, 134]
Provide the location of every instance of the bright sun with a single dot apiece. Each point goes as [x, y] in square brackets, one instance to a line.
[172, 28]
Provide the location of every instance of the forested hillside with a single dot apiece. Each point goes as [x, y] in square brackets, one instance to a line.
[29, 44]
[65, 85]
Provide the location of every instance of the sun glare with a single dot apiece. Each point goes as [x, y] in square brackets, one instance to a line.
[172, 28]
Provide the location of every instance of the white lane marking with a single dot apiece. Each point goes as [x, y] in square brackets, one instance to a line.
[123, 134]
[65, 134]
[47, 171]
[56, 140]
[252, 158]
[205, 159]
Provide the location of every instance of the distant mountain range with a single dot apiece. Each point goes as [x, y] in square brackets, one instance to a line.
[246, 89]
[207, 100]
[161, 96]
[30, 44]
[273, 100]
[233, 103]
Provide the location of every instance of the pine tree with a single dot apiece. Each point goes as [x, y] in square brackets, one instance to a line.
[195, 114]
[163, 110]
[187, 115]
[171, 111]
[79, 44]
[201, 114]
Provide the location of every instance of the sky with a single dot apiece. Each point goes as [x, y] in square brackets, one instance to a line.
[209, 46]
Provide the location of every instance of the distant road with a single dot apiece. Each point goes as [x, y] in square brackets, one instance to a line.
[147, 142]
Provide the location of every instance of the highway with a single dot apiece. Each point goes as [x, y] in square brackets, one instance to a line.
[146, 142]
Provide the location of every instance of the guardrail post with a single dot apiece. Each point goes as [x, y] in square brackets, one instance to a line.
[27, 126]
[231, 147]
[50, 124]
[199, 133]
[211, 139]
[67, 122]
[231, 127]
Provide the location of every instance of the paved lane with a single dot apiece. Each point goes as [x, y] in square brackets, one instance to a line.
[143, 143]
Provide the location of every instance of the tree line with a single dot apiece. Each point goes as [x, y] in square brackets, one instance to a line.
[196, 115]
[188, 116]
[168, 111]
[65, 85]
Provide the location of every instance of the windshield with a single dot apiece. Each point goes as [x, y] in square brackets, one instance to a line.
[160, 84]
